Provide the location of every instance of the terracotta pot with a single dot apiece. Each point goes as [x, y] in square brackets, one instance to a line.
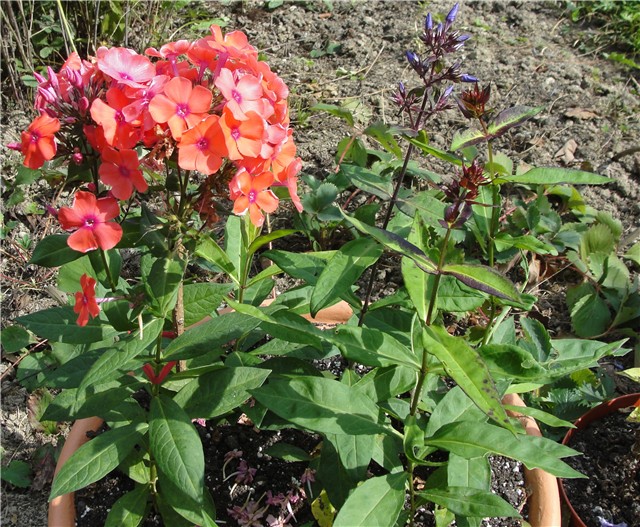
[542, 487]
[600, 411]
[62, 510]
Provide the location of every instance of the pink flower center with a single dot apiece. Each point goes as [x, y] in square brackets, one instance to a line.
[124, 171]
[235, 133]
[182, 110]
[236, 96]
[119, 117]
[202, 144]
[253, 196]
[35, 137]
[90, 222]
[125, 76]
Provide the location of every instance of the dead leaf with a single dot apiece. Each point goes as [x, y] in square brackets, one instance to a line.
[580, 113]
[567, 151]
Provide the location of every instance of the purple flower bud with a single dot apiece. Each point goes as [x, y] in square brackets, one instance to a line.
[75, 78]
[83, 105]
[53, 78]
[47, 94]
[413, 58]
[465, 77]
[453, 13]
[401, 88]
[14, 146]
[78, 158]
[39, 77]
[428, 22]
[447, 92]
[51, 210]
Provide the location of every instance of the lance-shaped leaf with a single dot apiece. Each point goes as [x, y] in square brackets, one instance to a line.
[109, 363]
[261, 241]
[372, 347]
[469, 371]
[395, 243]
[320, 404]
[556, 176]
[422, 142]
[510, 118]
[383, 133]
[378, 501]
[469, 502]
[96, 458]
[333, 109]
[368, 181]
[467, 138]
[53, 251]
[208, 249]
[219, 391]
[486, 280]
[342, 271]
[176, 447]
[129, 510]
[473, 439]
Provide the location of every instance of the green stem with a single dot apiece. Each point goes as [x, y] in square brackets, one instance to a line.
[103, 256]
[67, 29]
[412, 495]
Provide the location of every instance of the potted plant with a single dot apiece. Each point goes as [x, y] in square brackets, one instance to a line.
[158, 150]
[611, 453]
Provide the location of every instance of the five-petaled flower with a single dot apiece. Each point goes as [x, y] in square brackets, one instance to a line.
[121, 170]
[86, 304]
[202, 147]
[38, 142]
[251, 193]
[90, 218]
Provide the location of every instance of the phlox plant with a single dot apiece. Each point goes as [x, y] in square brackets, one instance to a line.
[175, 162]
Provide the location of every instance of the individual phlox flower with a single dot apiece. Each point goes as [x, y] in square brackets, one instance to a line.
[149, 371]
[138, 109]
[289, 178]
[245, 473]
[181, 106]
[118, 132]
[86, 305]
[235, 43]
[242, 94]
[249, 515]
[170, 51]
[38, 141]
[90, 218]
[243, 138]
[252, 194]
[203, 147]
[125, 66]
[121, 170]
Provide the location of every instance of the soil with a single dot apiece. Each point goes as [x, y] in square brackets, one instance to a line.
[611, 448]
[530, 52]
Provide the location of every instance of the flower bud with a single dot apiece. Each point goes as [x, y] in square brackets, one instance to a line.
[465, 77]
[39, 78]
[83, 105]
[77, 156]
[14, 146]
[428, 22]
[53, 79]
[47, 94]
[453, 13]
[52, 210]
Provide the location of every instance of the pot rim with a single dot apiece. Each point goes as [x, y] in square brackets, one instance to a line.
[595, 413]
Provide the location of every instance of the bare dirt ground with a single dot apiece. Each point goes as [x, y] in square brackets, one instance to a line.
[530, 52]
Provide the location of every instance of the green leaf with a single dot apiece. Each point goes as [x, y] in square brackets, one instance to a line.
[381, 384]
[287, 452]
[504, 241]
[162, 284]
[13, 339]
[208, 249]
[219, 391]
[467, 368]
[333, 109]
[540, 416]
[509, 362]
[486, 280]
[96, 458]
[473, 439]
[372, 347]
[319, 202]
[454, 406]
[109, 363]
[633, 254]
[354, 452]
[129, 510]
[320, 404]
[17, 473]
[555, 176]
[383, 133]
[58, 324]
[590, 315]
[395, 243]
[472, 473]
[467, 138]
[176, 446]
[465, 501]
[510, 118]
[422, 142]
[375, 503]
[202, 299]
[342, 271]
[210, 336]
[368, 181]
[263, 240]
[53, 251]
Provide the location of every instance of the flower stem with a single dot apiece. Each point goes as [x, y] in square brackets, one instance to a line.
[105, 263]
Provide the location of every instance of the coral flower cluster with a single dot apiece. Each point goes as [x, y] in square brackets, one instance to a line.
[208, 108]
